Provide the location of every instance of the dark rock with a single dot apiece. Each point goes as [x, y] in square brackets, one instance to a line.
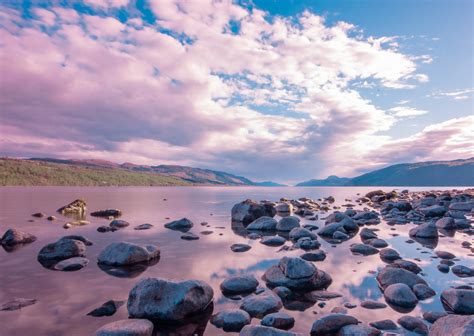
[278, 320]
[400, 295]
[314, 256]
[71, 264]
[13, 237]
[17, 304]
[239, 284]
[109, 308]
[183, 225]
[392, 275]
[83, 239]
[240, 247]
[306, 244]
[160, 299]
[358, 330]
[123, 253]
[458, 301]
[128, 327]
[445, 255]
[369, 304]
[389, 254]
[77, 207]
[432, 316]
[453, 325]
[423, 292]
[363, 249]
[107, 213]
[377, 243]
[38, 215]
[462, 271]
[231, 320]
[261, 304]
[406, 264]
[426, 230]
[145, 226]
[384, 325]
[288, 223]
[331, 324]
[299, 232]
[366, 234]
[64, 248]
[414, 324]
[258, 330]
[51, 218]
[340, 235]
[446, 223]
[189, 236]
[273, 240]
[264, 223]
[248, 211]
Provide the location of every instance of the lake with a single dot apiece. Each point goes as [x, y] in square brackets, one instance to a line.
[64, 298]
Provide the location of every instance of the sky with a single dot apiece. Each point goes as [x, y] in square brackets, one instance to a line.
[271, 90]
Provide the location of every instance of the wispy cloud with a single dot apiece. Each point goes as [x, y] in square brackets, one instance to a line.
[456, 95]
[405, 111]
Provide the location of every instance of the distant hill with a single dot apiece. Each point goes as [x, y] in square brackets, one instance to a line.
[332, 180]
[269, 184]
[433, 173]
[47, 171]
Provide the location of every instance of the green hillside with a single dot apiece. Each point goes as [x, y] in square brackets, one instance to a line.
[14, 172]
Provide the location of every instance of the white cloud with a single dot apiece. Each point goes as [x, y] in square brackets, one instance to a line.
[456, 95]
[405, 111]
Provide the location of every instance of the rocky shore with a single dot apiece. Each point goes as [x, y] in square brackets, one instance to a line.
[160, 306]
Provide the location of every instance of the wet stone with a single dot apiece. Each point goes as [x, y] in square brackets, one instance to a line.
[240, 247]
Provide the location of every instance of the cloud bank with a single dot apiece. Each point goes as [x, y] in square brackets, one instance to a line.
[209, 84]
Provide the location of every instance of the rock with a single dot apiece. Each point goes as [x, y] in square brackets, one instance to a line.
[71, 264]
[145, 226]
[400, 295]
[38, 215]
[462, 271]
[123, 253]
[406, 264]
[414, 324]
[375, 193]
[432, 316]
[64, 248]
[264, 223]
[331, 323]
[273, 240]
[104, 228]
[363, 249]
[284, 207]
[231, 320]
[458, 301]
[258, 330]
[462, 206]
[384, 325]
[51, 218]
[83, 239]
[189, 236]
[119, 224]
[446, 223]
[127, 327]
[69, 225]
[13, 237]
[296, 268]
[240, 247]
[288, 223]
[366, 234]
[159, 299]
[278, 320]
[248, 211]
[358, 330]
[392, 275]
[377, 243]
[77, 207]
[423, 291]
[426, 230]
[306, 244]
[443, 268]
[369, 304]
[434, 211]
[453, 325]
[299, 232]
[182, 225]
[445, 255]
[389, 254]
[109, 308]
[261, 304]
[239, 284]
[17, 304]
[314, 256]
[340, 235]
[107, 213]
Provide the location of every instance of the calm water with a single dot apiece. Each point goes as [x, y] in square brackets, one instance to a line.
[64, 298]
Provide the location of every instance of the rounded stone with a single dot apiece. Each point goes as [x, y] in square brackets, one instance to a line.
[128, 327]
[239, 284]
[231, 320]
[278, 320]
[288, 223]
[123, 253]
[400, 295]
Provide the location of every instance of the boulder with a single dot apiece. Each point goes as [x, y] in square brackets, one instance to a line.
[423, 291]
[392, 275]
[182, 225]
[288, 223]
[314, 256]
[119, 223]
[453, 325]
[434, 211]
[248, 211]
[14, 236]
[299, 232]
[432, 316]
[71, 264]
[273, 240]
[458, 301]
[264, 223]
[259, 305]
[331, 323]
[358, 330]
[384, 325]
[160, 299]
[406, 264]
[240, 248]
[363, 249]
[446, 223]
[231, 320]
[109, 308]
[371, 304]
[258, 330]
[400, 295]
[77, 207]
[426, 230]
[239, 284]
[445, 255]
[123, 253]
[462, 206]
[127, 327]
[278, 320]
[414, 324]
[389, 254]
[64, 248]
[462, 271]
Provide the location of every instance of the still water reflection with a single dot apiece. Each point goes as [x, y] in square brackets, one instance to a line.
[64, 298]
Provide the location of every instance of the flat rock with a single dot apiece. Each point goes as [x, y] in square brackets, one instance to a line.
[331, 323]
[462, 271]
[231, 320]
[363, 249]
[108, 308]
[453, 325]
[189, 236]
[278, 320]
[240, 247]
[123, 253]
[145, 226]
[273, 240]
[370, 304]
[17, 304]
[14, 236]
[182, 225]
[239, 284]
[392, 275]
[414, 324]
[384, 325]
[400, 295]
[127, 327]
[458, 301]
[314, 256]
[259, 305]
[160, 299]
[71, 264]
[358, 330]
[107, 213]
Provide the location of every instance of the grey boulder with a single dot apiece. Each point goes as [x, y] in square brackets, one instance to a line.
[123, 254]
[64, 248]
[400, 295]
[264, 223]
[453, 325]
[458, 301]
[288, 223]
[182, 225]
[231, 320]
[392, 275]
[331, 324]
[14, 236]
[239, 284]
[248, 211]
[259, 305]
[426, 230]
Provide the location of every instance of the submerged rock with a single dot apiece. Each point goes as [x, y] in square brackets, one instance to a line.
[123, 253]
[189, 236]
[17, 304]
[331, 323]
[119, 223]
[160, 299]
[240, 247]
[107, 213]
[109, 308]
[71, 264]
[453, 325]
[239, 284]
[145, 226]
[127, 327]
[231, 320]
[182, 225]
[370, 304]
[14, 236]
